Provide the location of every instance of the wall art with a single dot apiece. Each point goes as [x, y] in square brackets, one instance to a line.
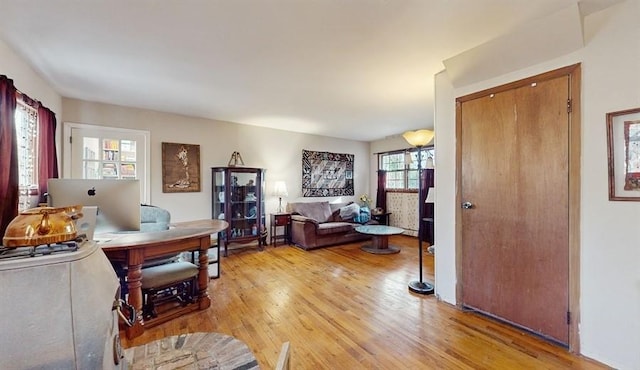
[180, 168]
[326, 174]
[623, 154]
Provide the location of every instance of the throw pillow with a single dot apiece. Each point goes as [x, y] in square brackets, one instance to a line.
[319, 211]
[364, 216]
[349, 211]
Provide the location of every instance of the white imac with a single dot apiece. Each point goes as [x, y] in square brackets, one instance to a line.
[118, 201]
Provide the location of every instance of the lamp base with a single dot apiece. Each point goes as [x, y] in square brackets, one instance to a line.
[421, 287]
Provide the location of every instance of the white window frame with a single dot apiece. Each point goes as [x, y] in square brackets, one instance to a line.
[427, 152]
[145, 178]
[29, 194]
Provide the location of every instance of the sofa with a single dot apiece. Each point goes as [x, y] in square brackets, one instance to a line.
[320, 224]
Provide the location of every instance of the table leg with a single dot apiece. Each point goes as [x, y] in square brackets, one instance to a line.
[380, 245]
[134, 284]
[203, 273]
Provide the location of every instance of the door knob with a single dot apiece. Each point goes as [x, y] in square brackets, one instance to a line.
[467, 205]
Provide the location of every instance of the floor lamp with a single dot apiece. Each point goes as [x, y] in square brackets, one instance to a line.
[419, 139]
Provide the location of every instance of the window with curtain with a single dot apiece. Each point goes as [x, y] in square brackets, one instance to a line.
[402, 167]
[26, 121]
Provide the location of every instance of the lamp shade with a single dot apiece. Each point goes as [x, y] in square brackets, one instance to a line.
[431, 196]
[429, 163]
[407, 158]
[418, 138]
[280, 189]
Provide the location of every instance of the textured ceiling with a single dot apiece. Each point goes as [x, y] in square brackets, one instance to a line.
[356, 69]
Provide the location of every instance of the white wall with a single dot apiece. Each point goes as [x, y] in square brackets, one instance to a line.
[445, 206]
[279, 152]
[610, 248]
[27, 80]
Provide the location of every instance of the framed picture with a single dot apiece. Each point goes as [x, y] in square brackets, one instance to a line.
[326, 174]
[180, 168]
[623, 153]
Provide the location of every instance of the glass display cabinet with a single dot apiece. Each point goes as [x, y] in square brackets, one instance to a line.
[238, 198]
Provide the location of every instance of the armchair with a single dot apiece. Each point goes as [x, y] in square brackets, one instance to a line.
[153, 218]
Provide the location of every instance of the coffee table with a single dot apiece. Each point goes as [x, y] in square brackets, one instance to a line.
[380, 238]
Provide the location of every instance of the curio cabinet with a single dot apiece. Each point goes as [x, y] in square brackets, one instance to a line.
[238, 198]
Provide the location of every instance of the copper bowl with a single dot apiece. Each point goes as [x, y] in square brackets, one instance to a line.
[42, 225]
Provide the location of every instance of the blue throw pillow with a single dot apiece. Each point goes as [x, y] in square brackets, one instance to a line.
[364, 216]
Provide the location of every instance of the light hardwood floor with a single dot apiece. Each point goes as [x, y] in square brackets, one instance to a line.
[342, 308]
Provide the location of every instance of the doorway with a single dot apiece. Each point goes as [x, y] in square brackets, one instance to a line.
[518, 167]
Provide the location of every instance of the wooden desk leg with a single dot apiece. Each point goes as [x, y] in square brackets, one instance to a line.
[203, 273]
[134, 282]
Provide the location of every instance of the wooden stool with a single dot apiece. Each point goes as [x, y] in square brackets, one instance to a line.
[174, 281]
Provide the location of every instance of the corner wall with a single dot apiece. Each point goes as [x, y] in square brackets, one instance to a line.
[610, 250]
[27, 80]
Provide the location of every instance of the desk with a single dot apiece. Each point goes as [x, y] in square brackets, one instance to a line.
[214, 250]
[133, 249]
[192, 351]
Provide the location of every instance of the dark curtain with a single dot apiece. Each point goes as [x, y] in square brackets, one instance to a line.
[9, 193]
[381, 195]
[47, 157]
[427, 178]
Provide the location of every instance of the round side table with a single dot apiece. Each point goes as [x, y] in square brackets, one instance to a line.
[379, 238]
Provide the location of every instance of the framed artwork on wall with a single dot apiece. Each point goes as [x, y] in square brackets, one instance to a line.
[326, 174]
[623, 154]
[180, 168]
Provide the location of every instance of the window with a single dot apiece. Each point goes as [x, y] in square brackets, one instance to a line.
[107, 158]
[101, 152]
[402, 167]
[26, 121]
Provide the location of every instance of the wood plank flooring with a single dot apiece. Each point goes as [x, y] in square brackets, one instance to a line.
[342, 308]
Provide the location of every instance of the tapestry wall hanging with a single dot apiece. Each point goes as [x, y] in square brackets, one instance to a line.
[326, 174]
[180, 168]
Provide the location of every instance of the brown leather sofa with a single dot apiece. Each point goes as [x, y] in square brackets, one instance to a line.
[320, 224]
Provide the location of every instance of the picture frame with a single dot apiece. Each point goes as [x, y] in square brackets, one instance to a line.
[180, 168]
[326, 174]
[623, 154]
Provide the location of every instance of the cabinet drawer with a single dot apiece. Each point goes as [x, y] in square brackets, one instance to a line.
[282, 220]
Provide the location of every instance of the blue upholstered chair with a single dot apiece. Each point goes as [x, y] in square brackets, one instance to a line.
[154, 218]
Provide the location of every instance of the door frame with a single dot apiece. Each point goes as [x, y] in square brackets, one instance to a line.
[574, 72]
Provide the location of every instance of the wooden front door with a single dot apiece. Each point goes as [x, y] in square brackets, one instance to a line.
[514, 255]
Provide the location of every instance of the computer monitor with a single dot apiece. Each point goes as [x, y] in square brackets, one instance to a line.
[118, 201]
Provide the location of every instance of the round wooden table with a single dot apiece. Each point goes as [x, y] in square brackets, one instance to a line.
[192, 351]
[380, 238]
